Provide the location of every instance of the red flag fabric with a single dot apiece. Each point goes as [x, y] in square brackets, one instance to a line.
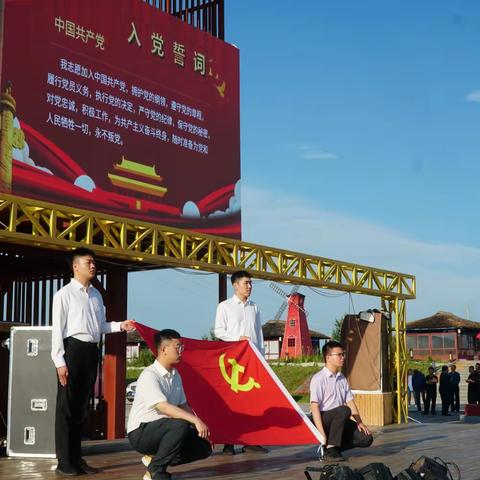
[234, 391]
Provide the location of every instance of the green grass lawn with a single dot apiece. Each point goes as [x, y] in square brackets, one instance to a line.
[291, 375]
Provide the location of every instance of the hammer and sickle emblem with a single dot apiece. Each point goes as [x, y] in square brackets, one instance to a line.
[233, 379]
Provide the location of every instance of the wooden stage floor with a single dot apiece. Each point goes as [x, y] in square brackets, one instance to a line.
[394, 445]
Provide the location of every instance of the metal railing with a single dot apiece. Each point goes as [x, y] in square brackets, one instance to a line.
[206, 15]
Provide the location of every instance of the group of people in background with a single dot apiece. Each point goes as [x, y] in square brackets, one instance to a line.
[424, 388]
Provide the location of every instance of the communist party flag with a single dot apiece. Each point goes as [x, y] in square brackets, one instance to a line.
[233, 390]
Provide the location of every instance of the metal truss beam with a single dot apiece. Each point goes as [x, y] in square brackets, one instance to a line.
[41, 224]
[144, 245]
[398, 359]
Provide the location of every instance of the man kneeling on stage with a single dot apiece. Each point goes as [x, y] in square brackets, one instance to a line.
[332, 405]
[161, 423]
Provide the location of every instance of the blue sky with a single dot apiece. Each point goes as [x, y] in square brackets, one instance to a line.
[360, 133]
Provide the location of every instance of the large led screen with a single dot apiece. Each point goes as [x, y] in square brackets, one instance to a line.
[117, 107]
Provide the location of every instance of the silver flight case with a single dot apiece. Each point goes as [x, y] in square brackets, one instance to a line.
[32, 393]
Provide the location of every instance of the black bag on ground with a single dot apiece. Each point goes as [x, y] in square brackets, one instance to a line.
[435, 469]
[408, 474]
[331, 472]
[431, 469]
[375, 471]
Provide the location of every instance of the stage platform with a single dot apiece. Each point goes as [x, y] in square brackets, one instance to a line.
[395, 445]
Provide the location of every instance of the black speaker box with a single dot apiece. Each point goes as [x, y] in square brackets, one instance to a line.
[375, 471]
[408, 474]
[331, 472]
[430, 469]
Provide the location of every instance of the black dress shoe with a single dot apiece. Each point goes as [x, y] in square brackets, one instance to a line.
[67, 470]
[332, 454]
[158, 475]
[228, 450]
[254, 449]
[86, 468]
[162, 476]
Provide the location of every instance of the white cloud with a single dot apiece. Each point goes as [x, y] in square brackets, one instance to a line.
[233, 204]
[318, 155]
[474, 96]
[446, 273]
[309, 152]
[23, 155]
[85, 182]
[191, 210]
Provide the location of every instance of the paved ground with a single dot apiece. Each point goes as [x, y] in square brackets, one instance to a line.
[395, 445]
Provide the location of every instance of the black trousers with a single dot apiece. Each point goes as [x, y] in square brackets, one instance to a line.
[417, 394]
[472, 395]
[455, 405]
[446, 397]
[171, 441]
[341, 431]
[430, 399]
[72, 400]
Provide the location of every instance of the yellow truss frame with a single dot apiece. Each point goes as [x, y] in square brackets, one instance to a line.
[33, 222]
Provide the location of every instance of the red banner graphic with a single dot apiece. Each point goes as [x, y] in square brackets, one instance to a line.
[234, 391]
[117, 107]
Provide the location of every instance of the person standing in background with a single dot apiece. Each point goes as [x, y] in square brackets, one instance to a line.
[238, 318]
[409, 386]
[472, 385]
[477, 381]
[431, 381]
[419, 386]
[455, 388]
[445, 391]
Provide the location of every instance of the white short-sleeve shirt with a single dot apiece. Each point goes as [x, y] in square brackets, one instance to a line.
[155, 384]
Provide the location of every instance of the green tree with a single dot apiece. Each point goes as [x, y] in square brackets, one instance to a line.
[337, 330]
[210, 336]
[145, 358]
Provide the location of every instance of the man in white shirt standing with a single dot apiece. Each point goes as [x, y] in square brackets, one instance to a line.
[332, 405]
[238, 318]
[78, 318]
[161, 423]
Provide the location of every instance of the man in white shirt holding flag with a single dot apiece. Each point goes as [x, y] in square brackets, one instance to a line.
[78, 318]
[238, 318]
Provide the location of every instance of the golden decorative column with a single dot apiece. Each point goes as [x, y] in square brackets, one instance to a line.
[7, 115]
